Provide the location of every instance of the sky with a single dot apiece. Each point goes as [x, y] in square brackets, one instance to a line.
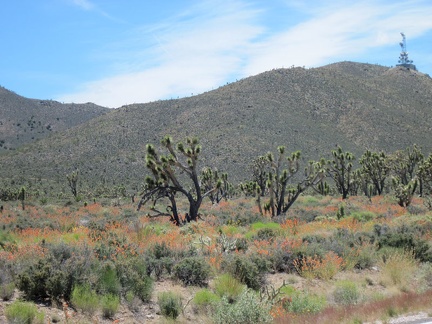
[114, 52]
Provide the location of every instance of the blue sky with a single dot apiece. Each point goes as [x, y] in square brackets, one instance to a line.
[114, 52]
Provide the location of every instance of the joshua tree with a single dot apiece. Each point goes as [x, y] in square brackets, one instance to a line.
[72, 179]
[375, 168]
[172, 174]
[211, 179]
[260, 170]
[252, 188]
[340, 169]
[283, 169]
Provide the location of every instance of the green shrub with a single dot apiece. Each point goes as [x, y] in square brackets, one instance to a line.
[305, 303]
[85, 299]
[7, 290]
[23, 313]
[204, 300]
[133, 277]
[346, 293]
[170, 304]
[228, 286]
[363, 216]
[265, 234]
[110, 304]
[248, 309]
[245, 270]
[192, 271]
[108, 282]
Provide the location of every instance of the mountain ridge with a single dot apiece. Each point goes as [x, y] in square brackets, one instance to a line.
[356, 105]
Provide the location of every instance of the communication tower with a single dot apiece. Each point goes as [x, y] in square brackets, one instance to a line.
[403, 58]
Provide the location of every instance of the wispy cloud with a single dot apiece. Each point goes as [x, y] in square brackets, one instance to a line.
[212, 43]
[83, 4]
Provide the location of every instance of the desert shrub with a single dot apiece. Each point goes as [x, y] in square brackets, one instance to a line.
[346, 293]
[110, 304]
[241, 244]
[7, 290]
[397, 266]
[204, 300]
[245, 270]
[132, 301]
[108, 282]
[54, 276]
[248, 309]
[85, 299]
[192, 271]
[324, 268]
[265, 234]
[170, 304]
[300, 303]
[408, 239]
[282, 260]
[23, 313]
[363, 216]
[132, 273]
[228, 286]
[270, 225]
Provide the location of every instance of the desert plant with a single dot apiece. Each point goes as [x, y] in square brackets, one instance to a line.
[305, 302]
[205, 300]
[170, 304]
[23, 313]
[245, 270]
[397, 266]
[110, 304]
[340, 168]
[166, 184]
[108, 282]
[324, 268]
[346, 293]
[85, 299]
[248, 309]
[7, 290]
[192, 271]
[133, 277]
[228, 286]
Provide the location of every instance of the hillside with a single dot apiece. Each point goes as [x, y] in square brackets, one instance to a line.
[358, 106]
[24, 120]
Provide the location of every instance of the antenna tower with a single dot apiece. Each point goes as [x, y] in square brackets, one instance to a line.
[403, 58]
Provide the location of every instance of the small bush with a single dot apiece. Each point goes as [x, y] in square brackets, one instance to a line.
[110, 304]
[133, 277]
[363, 216]
[170, 304]
[204, 300]
[346, 293]
[24, 313]
[305, 303]
[397, 266]
[245, 270]
[7, 290]
[248, 309]
[320, 268]
[108, 281]
[192, 271]
[85, 299]
[228, 286]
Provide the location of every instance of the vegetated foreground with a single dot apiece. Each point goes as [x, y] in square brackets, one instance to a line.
[106, 262]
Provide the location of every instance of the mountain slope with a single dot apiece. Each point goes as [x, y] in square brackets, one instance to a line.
[358, 106]
[24, 120]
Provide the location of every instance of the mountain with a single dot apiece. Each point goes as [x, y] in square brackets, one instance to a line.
[24, 120]
[358, 106]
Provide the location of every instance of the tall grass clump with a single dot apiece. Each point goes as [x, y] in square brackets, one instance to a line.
[85, 299]
[23, 313]
[397, 266]
[228, 286]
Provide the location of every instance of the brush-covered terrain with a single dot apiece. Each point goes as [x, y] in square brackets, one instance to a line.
[103, 262]
[354, 105]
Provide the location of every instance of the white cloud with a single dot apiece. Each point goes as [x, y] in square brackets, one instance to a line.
[212, 43]
[83, 4]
